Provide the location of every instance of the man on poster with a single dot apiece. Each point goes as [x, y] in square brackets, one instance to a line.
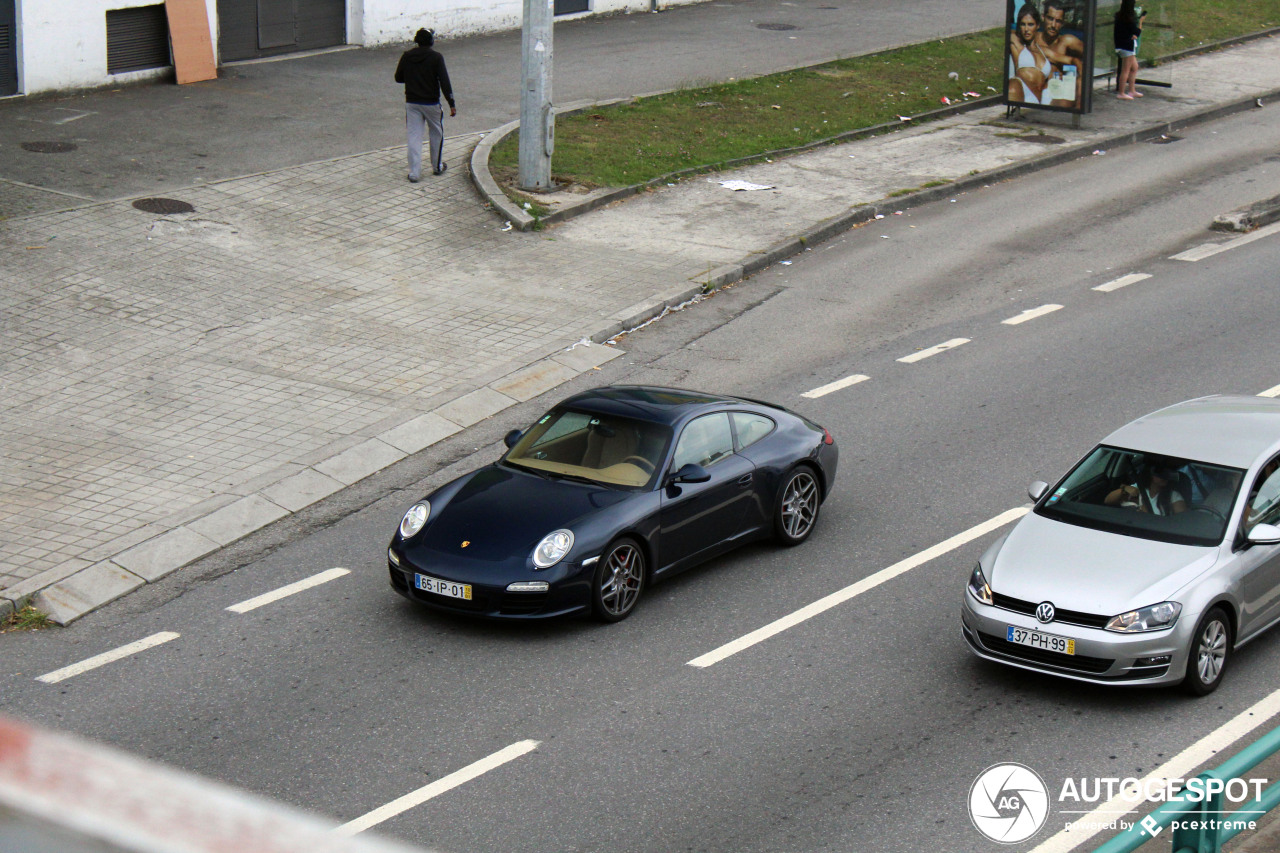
[1065, 53]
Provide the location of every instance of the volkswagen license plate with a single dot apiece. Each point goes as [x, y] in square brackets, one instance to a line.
[451, 589]
[1036, 640]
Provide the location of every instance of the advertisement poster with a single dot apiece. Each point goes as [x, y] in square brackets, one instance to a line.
[1049, 55]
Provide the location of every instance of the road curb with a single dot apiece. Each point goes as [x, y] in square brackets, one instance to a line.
[1248, 218]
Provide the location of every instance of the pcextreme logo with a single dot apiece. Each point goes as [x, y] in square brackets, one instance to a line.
[1008, 803]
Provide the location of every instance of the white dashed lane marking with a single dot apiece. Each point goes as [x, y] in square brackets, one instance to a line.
[1123, 281]
[853, 590]
[1208, 250]
[932, 351]
[286, 591]
[438, 787]
[835, 386]
[1031, 314]
[108, 657]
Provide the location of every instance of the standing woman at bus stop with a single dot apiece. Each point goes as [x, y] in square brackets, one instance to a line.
[1127, 31]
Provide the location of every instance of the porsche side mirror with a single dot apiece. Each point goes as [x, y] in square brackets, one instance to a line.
[1264, 534]
[690, 473]
[1036, 490]
[512, 437]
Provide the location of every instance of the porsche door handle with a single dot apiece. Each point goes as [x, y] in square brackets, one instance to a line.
[744, 480]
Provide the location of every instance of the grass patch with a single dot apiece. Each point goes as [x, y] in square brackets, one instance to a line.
[706, 126]
[636, 142]
[26, 619]
[1205, 21]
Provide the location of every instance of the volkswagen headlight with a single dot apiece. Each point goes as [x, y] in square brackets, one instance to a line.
[415, 519]
[552, 548]
[978, 587]
[1153, 618]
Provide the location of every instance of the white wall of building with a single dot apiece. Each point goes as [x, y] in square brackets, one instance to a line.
[62, 44]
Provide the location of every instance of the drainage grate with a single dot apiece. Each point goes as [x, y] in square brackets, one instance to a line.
[1165, 140]
[781, 28]
[49, 147]
[163, 206]
[1041, 139]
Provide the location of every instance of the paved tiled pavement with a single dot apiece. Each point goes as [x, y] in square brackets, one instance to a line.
[158, 367]
[175, 382]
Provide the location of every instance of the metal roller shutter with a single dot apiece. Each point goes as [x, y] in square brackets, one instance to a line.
[248, 29]
[137, 39]
[8, 48]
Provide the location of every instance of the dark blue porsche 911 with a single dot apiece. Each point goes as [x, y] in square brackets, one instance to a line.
[609, 491]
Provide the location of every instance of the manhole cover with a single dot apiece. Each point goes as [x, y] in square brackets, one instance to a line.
[49, 147]
[777, 27]
[163, 206]
[1164, 140]
[1042, 139]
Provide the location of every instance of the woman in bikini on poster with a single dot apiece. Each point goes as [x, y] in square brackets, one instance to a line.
[1029, 67]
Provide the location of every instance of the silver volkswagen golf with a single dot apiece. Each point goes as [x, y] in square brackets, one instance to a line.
[1150, 562]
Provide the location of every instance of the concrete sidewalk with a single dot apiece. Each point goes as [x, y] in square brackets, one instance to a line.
[177, 382]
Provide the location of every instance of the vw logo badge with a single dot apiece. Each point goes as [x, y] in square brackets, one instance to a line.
[1045, 613]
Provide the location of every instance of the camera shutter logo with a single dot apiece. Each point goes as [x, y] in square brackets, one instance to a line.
[1008, 803]
[1045, 613]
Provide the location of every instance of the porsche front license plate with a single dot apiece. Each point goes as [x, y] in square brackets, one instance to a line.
[439, 587]
[1036, 640]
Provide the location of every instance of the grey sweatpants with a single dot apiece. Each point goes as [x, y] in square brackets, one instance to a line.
[415, 116]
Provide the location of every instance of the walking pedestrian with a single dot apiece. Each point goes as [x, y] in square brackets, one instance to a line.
[425, 78]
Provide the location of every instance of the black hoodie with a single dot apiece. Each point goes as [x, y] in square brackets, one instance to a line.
[424, 76]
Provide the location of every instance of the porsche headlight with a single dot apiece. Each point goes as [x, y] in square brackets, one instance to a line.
[978, 587]
[1153, 618]
[552, 548]
[415, 519]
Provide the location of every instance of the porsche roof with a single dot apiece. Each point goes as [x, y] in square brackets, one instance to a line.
[664, 405]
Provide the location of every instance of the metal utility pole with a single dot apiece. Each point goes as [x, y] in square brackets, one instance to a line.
[537, 122]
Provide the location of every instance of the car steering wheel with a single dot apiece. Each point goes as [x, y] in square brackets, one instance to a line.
[641, 462]
[1210, 510]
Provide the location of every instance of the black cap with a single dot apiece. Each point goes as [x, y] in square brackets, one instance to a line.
[425, 37]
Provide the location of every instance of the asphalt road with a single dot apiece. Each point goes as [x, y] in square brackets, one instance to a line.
[268, 115]
[864, 726]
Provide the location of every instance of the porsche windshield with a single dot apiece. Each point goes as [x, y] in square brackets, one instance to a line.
[1141, 494]
[603, 448]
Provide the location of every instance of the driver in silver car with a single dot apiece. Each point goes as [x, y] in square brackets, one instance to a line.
[1151, 493]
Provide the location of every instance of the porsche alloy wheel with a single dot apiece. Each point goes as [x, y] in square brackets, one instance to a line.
[619, 581]
[797, 509]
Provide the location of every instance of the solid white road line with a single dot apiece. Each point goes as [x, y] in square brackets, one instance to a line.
[1181, 766]
[107, 657]
[925, 353]
[1123, 281]
[1031, 314]
[286, 591]
[871, 582]
[1208, 250]
[438, 787]
[835, 386]
[1271, 392]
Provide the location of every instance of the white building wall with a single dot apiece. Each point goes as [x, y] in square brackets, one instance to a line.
[395, 21]
[62, 44]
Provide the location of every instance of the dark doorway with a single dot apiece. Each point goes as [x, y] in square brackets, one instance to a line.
[8, 47]
[249, 29]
